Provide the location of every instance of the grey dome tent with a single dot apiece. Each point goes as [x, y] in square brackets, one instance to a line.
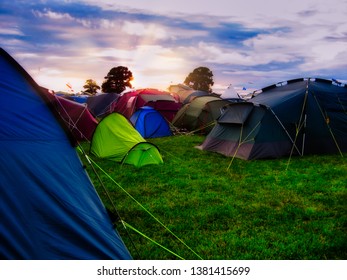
[199, 114]
[301, 116]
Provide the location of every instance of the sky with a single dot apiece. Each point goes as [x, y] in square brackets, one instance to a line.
[246, 43]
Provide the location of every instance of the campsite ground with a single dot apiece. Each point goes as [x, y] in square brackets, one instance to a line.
[263, 209]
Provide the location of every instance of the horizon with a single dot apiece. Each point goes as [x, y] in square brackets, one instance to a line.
[246, 43]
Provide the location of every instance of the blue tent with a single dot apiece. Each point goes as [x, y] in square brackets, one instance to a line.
[78, 98]
[101, 104]
[48, 206]
[150, 123]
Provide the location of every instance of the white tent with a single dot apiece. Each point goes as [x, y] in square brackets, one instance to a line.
[230, 92]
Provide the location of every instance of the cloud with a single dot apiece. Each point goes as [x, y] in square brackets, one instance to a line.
[11, 31]
[158, 39]
[145, 58]
[303, 44]
[52, 15]
[213, 54]
[140, 29]
[326, 55]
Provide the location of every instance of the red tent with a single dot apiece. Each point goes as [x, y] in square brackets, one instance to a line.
[166, 103]
[77, 117]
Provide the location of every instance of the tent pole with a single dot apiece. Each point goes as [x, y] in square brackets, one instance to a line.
[245, 140]
[326, 119]
[300, 124]
[238, 146]
[281, 124]
[70, 123]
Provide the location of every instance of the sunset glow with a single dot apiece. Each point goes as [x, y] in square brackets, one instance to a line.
[243, 42]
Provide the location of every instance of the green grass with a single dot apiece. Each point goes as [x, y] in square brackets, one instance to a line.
[261, 209]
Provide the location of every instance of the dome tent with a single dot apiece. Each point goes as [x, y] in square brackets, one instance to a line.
[150, 123]
[200, 114]
[49, 207]
[301, 116]
[77, 117]
[116, 139]
[165, 103]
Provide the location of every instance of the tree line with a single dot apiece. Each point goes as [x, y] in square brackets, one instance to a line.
[119, 78]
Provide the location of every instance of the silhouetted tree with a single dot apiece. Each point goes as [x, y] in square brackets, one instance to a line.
[117, 80]
[200, 79]
[91, 87]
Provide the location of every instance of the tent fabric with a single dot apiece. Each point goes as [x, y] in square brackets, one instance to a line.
[150, 123]
[302, 116]
[49, 207]
[199, 114]
[101, 104]
[181, 90]
[77, 98]
[77, 117]
[317, 106]
[143, 153]
[115, 137]
[195, 94]
[230, 93]
[242, 131]
[165, 103]
[126, 104]
[239, 114]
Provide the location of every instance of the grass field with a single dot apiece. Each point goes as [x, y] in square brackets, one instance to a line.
[197, 208]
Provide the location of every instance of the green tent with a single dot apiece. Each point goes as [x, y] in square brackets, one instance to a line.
[199, 114]
[116, 139]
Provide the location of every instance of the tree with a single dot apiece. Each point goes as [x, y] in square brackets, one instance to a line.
[91, 87]
[200, 79]
[117, 80]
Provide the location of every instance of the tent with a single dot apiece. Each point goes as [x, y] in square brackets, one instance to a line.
[48, 205]
[150, 123]
[181, 90]
[116, 139]
[77, 117]
[195, 94]
[101, 104]
[200, 114]
[165, 103]
[77, 98]
[301, 116]
[230, 93]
